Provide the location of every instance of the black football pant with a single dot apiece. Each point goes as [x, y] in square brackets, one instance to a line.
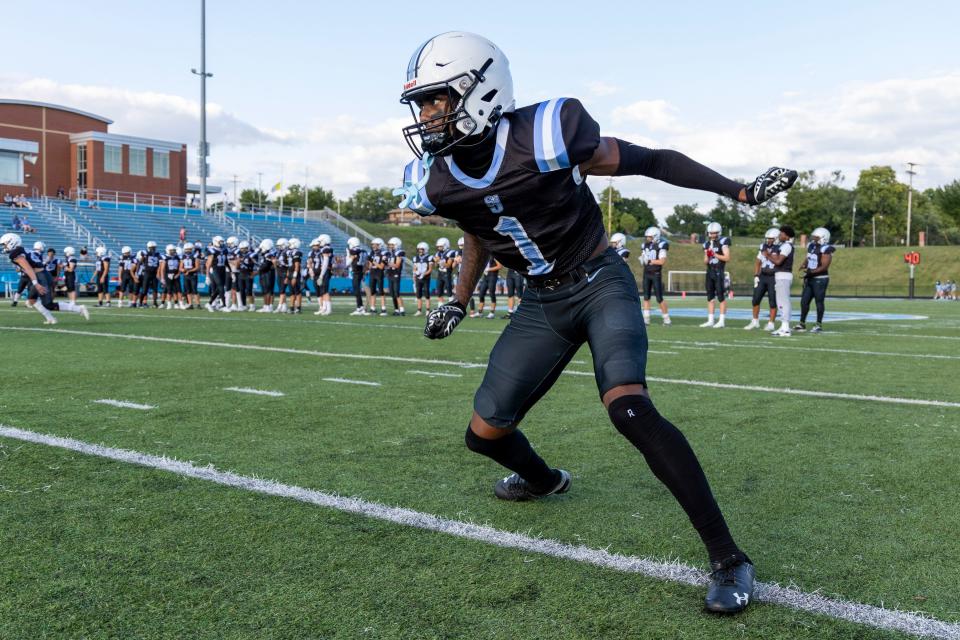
[766, 287]
[376, 282]
[358, 289]
[150, 282]
[714, 283]
[422, 287]
[653, 284]
[217, 279]
[24, 284]
[816, 289]
[489, 285]
[245, 286]
[393, 281]
[268, 281]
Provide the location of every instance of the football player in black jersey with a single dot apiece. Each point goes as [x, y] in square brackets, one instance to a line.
[653, 255]
[816, 277]
[395, 256]
[764, 282]
[267, 269]
[216, 263]
[101, 274]
[151, 266]
[515, 285]
[619, 242]
[126, 270]
[457, 263]
[170, 270]
[716, 253]
[41, 289]
[23, 284]
[294, 276]
[356, 263]
[488, 286]
[781, 255]
[442, 263]
[70, 273]
[376, 263]
[422, 268]
[514, 181]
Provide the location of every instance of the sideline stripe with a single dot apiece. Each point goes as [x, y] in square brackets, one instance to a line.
[256, 392]
[668, 571]
[125, 405]
[434, 374]
[345, 381]
[472, 365]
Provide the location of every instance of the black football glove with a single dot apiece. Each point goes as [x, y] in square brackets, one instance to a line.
[443, 320]
[769, 183]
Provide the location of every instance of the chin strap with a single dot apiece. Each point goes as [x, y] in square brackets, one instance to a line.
[411, 189]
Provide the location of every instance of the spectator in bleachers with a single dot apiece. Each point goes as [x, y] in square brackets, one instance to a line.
[8, 200]
[183, 234]
[22, 202]
[61, 193]
[16, 223]
[25, 225]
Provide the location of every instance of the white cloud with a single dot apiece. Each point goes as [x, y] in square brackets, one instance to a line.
[655, 115]
[601, 89]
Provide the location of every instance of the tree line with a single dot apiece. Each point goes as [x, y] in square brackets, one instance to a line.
[877, 201]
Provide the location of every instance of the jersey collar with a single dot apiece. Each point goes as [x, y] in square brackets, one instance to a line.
[482, 183]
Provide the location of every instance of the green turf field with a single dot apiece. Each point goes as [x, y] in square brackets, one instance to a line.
[853, 498]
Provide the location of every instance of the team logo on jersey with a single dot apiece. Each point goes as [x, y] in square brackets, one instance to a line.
[493, 202]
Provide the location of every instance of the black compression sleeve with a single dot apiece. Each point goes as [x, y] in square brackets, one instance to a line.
[674, 168]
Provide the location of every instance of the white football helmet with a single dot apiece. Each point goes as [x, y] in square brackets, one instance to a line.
[39, 246]
[69, 251]
[188, 247]
[324, 239]
[315, 242]
[395, 243]
[266, 245]
[141, 254]
[772, 234]
[443, 244]
[171, 249]
[244, 245]
[232, 241]
[101, 251]
[281, 243]
[475, 76]
[652, 234]
[217, 241]
[9, 241]
[423, 246]
[126, 250]
[618, 240]
[151, 245]
[293, 243]
[821, 235]
[460, 243]
[376, 243]
[714, 227]
[353, 243]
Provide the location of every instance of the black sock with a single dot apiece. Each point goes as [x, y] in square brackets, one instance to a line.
[514, 452]
[675, 464]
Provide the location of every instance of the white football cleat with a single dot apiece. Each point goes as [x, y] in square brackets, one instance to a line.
[754, 324]
[251, 307]
[769, 326]
[708, 323]
[719, 325]
[208, 307]
[318, 312]
[667, 322]
[50, 321]
[782, 332]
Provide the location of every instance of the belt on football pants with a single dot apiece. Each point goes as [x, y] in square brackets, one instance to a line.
[573, 276]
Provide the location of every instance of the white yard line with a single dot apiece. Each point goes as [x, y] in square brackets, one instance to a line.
[814, 603]
[346, 381]
[472, 365]
[256, 392]
[763, 343]
[125, 405]
[435, 374]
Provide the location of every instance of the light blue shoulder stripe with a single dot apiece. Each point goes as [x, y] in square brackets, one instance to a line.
[549, 149]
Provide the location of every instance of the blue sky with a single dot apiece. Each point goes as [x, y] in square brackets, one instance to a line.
[314, 85]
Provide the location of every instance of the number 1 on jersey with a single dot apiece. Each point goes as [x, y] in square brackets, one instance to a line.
[511, 227]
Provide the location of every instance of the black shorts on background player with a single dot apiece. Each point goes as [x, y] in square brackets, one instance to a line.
[422, 287]
[715, 284]
[766, 286]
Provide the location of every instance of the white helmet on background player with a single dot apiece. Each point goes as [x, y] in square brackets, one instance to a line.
[243, 246]
[9, 241]
[293, 243]
[188, 247]
[125, 250]
[39, 246]
[151, 244]
[100, 251]
[353, 243]
[69, 251]
[232, 241]
[772, 235]
[821, 235]
[618, 240]
[423, 246]
[652, 234]
[171, 249]
[281, 243]
[714, 227]
[266, 245]
[443, 244]
[217, 241]
[475, 76]
[460, 242]
[324, 239]
[395, 243]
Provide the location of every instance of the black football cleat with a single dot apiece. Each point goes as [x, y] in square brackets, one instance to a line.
[516, 489]
[799, 327]
[817, 329]
[731, 585]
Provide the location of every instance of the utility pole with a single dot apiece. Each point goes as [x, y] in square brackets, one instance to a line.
[235, 192]
[260, 191]
[911, 173]
[203, 151]
[874, 231]
[853, 222]
[610, 207]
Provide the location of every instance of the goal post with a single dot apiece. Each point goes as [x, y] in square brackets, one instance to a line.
[678, 281]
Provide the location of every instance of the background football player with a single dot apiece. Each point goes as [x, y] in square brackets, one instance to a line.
[101, 274]
[126, 274]
[653, 255]
[488, 286]
[41, 284]
[151, 266]
[514, 181]
[716, 253]
[294, 264]
[619, 242]
[422, 268]
[781, 255]
[216, 263]
[267, 270]
[190, 267]
[816, 277]
[442, 263]
[70, 273]
[170, 269]
[356, 263]
[515, 285]
[376, 263]
[764, 282]
[246, 265]
[395, 257]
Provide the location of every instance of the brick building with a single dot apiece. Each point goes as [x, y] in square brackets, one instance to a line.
[44, 147]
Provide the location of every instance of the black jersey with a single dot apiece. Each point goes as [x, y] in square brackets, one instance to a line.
[34, 258]
[248, 261]
[152, 260]
[654, 251]
[359, 264]
[815, 253]
[172, 264]
[767, 268]
[102, 265]
[391, 257]
[266, 260]
[188, 262]
[52, 266]
[532, 209]
[421, 263]
[70, 264]
[294, 259]
[198, 257]
[493, 266]
[784, 249]
[129, 263]
[440, 259]
[324, 262]
[219, 257]
[623, 252]
[717, 246]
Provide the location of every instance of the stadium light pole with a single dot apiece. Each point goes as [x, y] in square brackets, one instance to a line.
[911, 173]
[203, 152]
[853, 221]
